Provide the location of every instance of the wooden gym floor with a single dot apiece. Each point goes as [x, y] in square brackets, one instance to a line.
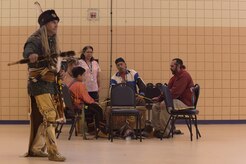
[220, 144]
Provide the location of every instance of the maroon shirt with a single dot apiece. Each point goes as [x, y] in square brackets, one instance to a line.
[180, 87]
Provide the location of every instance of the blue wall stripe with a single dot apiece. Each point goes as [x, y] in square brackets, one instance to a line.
[216, 122]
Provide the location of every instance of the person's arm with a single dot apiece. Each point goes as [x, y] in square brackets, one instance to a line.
[98, 76]
[160, 98]
[113, 81]
[140, 83]
[31, 49]
[141, 86]
[98, 80]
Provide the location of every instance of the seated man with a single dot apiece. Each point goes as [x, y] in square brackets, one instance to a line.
[180, 86]
[81, 96]
[130, 77]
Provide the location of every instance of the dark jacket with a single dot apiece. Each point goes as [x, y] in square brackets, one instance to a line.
[34, 45]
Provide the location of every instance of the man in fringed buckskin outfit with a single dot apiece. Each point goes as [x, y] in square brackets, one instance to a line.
[42, 87]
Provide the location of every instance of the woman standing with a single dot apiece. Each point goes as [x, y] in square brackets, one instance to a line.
[92, 72]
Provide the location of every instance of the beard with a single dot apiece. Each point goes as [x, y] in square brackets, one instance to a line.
[174, 71]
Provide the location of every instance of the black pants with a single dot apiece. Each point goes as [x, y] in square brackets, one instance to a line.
[94, 110]
[94, 95]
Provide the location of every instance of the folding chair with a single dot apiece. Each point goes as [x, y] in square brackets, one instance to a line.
[123, 103]
[189, 114]
[72, 114]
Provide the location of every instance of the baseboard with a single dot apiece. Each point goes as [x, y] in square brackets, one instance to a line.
[14, 121]
[178, 122]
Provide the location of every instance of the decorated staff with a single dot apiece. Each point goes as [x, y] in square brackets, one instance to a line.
[42, 88]
[143, 97]
[44, 57]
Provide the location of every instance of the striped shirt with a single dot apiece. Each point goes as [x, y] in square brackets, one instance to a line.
[131, 78]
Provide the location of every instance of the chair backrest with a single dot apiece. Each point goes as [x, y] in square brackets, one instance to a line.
[196, 93]
[152, 91]
[122, 95]
[67, 97]
[159, 85]
[150, 85]
[168, 98]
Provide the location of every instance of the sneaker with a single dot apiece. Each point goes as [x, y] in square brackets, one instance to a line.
[178, 132]
[38, 154]
[57, 157]
[102, 135]
[160, 134]
[145, 134]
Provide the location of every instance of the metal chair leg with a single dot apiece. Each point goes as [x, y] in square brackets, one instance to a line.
[173, 124]
[74, 121]
[58, 129]
[140, 129]
[137, 126]
[190, 128]
[111, 128]
[196, 126]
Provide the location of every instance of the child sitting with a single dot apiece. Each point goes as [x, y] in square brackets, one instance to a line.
[81, 96]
